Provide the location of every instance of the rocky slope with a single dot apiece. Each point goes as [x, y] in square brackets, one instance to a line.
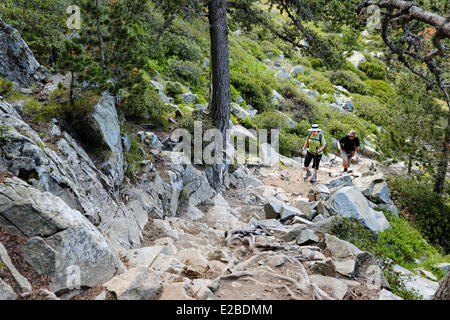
[73, 227]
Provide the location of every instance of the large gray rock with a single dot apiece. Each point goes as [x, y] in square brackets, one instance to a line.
[426, 288]
[196, 188]
[350, 202]
[17, 62]
[165, 99]
[342, 181]
[356, 58]
[278, 210]
[297, 69]
[66, 171]
[137, 283]
[101, 129]
[336, 287]
[61, 240]
[220, 217]
[387, 295]
[6, 292]
[366, 267]
[188, 97]
[282, 75]
[444, 266]
[341, 249]
[306, 207]
[374, 187]
[6, 262]
[306, 236]
[239, 112]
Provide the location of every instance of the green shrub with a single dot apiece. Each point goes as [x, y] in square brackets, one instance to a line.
[270, 120]
[430, 212]
[319, 82]
[185, 71]
[350, 38]
[234, 93]
[380, 89]
[4, 132]
[316, 63]
[254, 91]
[269, 46]
[286, 88]
[337, 128]
[174, 88]
[134, 156]
[348, 66]
[373, 70]
[6, 87]
[40, 112]
[200, 100]
[142, 102]
[290, 144]
[247, 123]
[188, 122]
[369, 109]
[183, 42]
[399, 244]
[349, 80]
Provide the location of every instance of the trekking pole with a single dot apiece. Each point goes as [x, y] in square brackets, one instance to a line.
[333, 161]
[317, 155]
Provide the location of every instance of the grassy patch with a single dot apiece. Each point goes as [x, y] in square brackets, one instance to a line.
[401, 244]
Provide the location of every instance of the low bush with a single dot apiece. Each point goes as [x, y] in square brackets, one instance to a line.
[349, 80]
[380, 89]
[4, 134]
[348, 66]
[318, 82]
[270, 120]
[373, 70]
[142, 102]
[290, 144]
[428, 211]
[133, 157]
[174, 88]
[316, 63]
[254, 91]
[370, 109]
[400, 244]
[286, 88]
[185, 71]
[6, 87]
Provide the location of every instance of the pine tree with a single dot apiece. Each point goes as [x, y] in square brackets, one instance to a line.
[82, 67]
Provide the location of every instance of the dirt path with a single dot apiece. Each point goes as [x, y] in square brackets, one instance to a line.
[292, 182]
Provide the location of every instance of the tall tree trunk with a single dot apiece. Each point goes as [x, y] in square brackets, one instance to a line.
[441, 173]
[221, 93]
[410, 161]
[72, 84]
[100, 38]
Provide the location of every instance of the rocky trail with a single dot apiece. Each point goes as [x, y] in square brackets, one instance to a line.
[73, 225]
[234, 252]
[169, 234]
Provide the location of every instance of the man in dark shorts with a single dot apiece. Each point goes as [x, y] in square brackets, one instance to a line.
[315, 143]
[348, 146]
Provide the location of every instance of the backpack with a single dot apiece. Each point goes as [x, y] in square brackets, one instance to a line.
[320, 139]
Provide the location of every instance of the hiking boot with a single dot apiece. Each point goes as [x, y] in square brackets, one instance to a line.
[307, 175]
[314, 178]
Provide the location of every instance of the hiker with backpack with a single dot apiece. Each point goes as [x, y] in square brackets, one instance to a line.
[348, 146]
[315, 143]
